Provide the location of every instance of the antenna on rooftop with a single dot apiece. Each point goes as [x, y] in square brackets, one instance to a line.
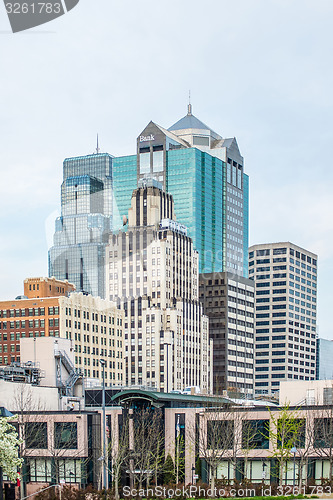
[189, 108]
[97, 146]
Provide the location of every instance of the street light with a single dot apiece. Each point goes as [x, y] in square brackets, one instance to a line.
[294, 451]
[177, 442]
[105, 485]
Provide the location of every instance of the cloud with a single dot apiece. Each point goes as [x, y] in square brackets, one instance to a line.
[296, 212]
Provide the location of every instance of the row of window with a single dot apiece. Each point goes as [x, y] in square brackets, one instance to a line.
[65, 435]
[31, 311]
[284, 275]
[77, 313]
[283, 251]
[19, 335]
[281, 265]
[256, 433]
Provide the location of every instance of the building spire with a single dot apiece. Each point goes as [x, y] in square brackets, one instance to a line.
[189, 107]
[97, 146]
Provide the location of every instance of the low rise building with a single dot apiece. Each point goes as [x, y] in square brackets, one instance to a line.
[306, 392]
[93, 325]
[46, 287]
[59, 447]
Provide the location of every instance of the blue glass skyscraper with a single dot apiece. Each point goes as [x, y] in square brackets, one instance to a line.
[85, 223]
[205, 175]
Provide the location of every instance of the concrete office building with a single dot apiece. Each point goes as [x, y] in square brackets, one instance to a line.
[69, 442]
[152, 271]
[285, 278]
[93, 325]
[228, 301]
[82, 230]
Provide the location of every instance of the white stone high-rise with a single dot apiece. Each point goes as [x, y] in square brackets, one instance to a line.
[152, 271]
[285, 277]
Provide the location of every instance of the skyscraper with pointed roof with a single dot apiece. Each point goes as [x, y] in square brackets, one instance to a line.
[204, 172]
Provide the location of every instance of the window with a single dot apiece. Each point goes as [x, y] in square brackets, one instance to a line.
[216, 432]
[328, 395]
[278, 299]
[279, 251]
[229, 173]
[36, 435]
[144, 161]
[200, 141]
[65, 435]
[264, 252]
[286, 434]
[255, 434]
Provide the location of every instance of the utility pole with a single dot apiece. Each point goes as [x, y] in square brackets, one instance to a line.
[177, 454]
[105, 478]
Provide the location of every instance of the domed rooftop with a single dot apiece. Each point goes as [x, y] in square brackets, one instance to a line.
[190, 121]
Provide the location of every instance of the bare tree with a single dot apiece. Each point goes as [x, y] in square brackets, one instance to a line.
[158, 453]
[215, 439]
[237, 415]
[253, 438]
[305, 446]
[246, 437]
[146, 444]
[119, 450]
[29, 412]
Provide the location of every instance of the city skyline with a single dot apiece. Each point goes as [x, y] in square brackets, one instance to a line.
[276, 100]
[167, 247]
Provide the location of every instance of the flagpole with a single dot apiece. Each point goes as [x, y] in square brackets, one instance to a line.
[177, 454]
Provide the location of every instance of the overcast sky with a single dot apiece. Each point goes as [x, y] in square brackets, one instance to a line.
[260, 70]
